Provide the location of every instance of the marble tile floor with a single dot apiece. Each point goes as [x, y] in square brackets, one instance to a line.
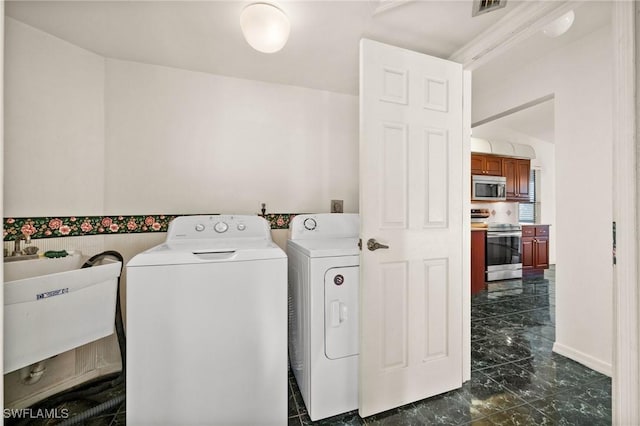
[516, 379]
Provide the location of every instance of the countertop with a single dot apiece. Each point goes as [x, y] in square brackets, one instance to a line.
[522, 224]
[534, 224]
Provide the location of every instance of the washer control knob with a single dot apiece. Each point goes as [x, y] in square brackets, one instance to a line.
[310, 224]
[242, 227]
[200, 227]
[220, 227]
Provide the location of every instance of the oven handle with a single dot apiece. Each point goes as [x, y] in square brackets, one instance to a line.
[503, 234]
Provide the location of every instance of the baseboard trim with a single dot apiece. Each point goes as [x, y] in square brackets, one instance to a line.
[584, 359]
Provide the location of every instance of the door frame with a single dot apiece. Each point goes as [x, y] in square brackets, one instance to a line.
[626, 358]
[2, 16]
[519, 24]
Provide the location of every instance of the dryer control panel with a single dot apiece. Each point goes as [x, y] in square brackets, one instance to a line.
[324, 225]
[218, 227]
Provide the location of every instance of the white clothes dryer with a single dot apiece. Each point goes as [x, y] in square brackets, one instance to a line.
[207, 326]
[323, 311]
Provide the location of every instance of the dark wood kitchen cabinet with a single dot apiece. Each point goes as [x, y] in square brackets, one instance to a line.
[486, 165]
[478, 254]
[535, 248]
[517, 172]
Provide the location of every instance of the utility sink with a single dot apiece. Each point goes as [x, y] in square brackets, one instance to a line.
[52, 306]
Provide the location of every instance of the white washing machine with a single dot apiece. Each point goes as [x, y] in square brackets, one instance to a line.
[324, 274]
[207, 326]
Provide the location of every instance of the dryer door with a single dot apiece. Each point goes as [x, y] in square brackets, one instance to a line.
[341, 312]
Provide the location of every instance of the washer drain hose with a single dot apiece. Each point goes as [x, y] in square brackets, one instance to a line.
[92, 412]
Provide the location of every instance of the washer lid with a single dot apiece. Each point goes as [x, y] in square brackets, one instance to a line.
[207, 251]
[327, 247]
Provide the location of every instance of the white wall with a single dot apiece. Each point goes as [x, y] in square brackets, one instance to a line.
[54, 125]
[89, 136]
[545, 162]
[580, 77]
[186, 142]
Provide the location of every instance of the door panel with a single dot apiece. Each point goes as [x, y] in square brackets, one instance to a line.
[436, 171]
[394, 180]
[509, 171]
[477, 164]
[341, 312]
[494, 166]
[411, 200]
[542, 253]
[523, 174]
[435, 292]
[394, 315]
[527, 253]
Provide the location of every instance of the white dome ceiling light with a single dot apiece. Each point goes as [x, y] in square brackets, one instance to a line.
[265, 27]
[560, 25]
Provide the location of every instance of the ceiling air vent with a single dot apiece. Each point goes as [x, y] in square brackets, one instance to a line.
[484, 6]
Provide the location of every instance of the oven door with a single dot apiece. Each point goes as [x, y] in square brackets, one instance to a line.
[504, 259]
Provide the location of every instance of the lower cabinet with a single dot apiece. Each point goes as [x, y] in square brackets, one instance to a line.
[478, 254]
[535, 247]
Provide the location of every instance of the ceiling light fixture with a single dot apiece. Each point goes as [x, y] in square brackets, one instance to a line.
[560, 25]
[265, 27]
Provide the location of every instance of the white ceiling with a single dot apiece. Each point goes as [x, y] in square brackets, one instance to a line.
[322, 52]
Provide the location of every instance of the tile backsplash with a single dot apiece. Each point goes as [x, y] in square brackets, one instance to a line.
[501, 212]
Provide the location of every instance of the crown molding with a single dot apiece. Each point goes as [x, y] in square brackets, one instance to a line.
[521, 22]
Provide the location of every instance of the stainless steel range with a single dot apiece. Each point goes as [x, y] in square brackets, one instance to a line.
[504, 253]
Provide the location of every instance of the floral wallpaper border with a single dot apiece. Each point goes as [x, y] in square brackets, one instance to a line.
[76, 226]
[280, 220]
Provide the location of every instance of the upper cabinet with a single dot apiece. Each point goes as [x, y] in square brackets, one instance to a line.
[486, 165]
[517, 173]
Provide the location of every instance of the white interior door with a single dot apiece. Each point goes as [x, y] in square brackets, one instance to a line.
[411, 199]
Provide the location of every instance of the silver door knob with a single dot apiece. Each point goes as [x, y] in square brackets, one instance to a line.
[374, 245]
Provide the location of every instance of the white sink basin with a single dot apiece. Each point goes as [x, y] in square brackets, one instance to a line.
[52, 306]
[21, 269]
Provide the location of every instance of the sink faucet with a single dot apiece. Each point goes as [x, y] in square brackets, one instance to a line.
[17, 251]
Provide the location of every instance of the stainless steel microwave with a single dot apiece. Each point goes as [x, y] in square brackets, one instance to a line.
[488, 188]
